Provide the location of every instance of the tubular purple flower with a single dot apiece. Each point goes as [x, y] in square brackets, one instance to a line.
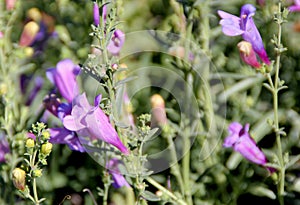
[241, 141]
[4, 148]
[64, 136]
[96, 14]
[104, 14]
[91, 121]
[245, 26]
[118, 178]
[64, 78]
[295, 7]
[116, 42]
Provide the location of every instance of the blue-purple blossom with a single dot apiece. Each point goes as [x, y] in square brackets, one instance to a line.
[295, 7]
[4, 148]
[96, 14]
[118, 179]
[115, 44]
[91, 121]
[235, 26]
[64, 78]
[241, 141]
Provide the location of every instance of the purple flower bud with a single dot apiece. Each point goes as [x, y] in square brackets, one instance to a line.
[234, 26]
[295, 7]
[104, 14]
[64, 78]
[118, 178]
[96, 14]
[91, 121]
[4, 148]
[51, 103]
[241, 141]
[116, 42]
[247, 54]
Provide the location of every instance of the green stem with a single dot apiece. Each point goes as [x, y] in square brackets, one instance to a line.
[165, 191]
[186, 169]
[36, 199]
[105, 196]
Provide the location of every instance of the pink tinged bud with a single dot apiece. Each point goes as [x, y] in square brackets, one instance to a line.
[29, 33]
[247, 54]
[19, 178]
[10, 4]
[1, 34]
[96, 14]
[158, 112]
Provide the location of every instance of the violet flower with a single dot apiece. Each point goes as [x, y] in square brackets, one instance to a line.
[91, 121]
[116, 42]
[235, 26]
[118, 178]
[4, 148]
[96, 14]
[241, 141]
[295, 7]
[64, 78]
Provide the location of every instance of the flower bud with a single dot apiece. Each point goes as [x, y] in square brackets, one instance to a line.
[29, 143]
[46, 148]
[46, 135]
[18, 176]
[159, 116]
[247, 54]
[37, 173]
[29, 32]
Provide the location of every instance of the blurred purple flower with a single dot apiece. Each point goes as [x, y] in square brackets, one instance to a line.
[118, 178]
[235, 26]
[295, 7]
[64, 78]
[104, 14]
[1, 34]
[241, 141]
[4, 148]
[25, 81]
[91, 121]
[116, 42]
[96, 14]
[65, 136]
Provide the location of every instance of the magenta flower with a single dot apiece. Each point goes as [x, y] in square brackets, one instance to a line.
[247, 54]
[96, 14]
[235, 26]
[118, 178]
[91, 121]
[116, 42]
[295, 7]
[1, 34]
[4, 148]
[241, 141]
[64, 78]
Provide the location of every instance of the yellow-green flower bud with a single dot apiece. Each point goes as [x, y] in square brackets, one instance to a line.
[18, 176]
[37, 173]
[29, 143]
[46, 148]
[46, 134]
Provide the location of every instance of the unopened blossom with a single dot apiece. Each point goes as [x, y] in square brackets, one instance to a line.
[19, 178]
[64, 78]
[241, 141]
[1, 34]
[91, 121]
[29, 33]
[245, 26]
[158, 112]
[4, 148]
[247, 54]
[295, 7]
[116, 43]
[10, 4]
[96, 14]
[118, 179]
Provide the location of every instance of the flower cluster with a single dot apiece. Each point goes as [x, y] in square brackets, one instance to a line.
[245, 26]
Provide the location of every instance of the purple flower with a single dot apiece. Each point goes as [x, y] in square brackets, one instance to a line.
[241, 141]
[295, 7]
[65, 136]
[64, 78]
[91, 121]
[96, 14]
[104, 14]
[235, 26]
[116, 42]
[118, 178]
[4, 148]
